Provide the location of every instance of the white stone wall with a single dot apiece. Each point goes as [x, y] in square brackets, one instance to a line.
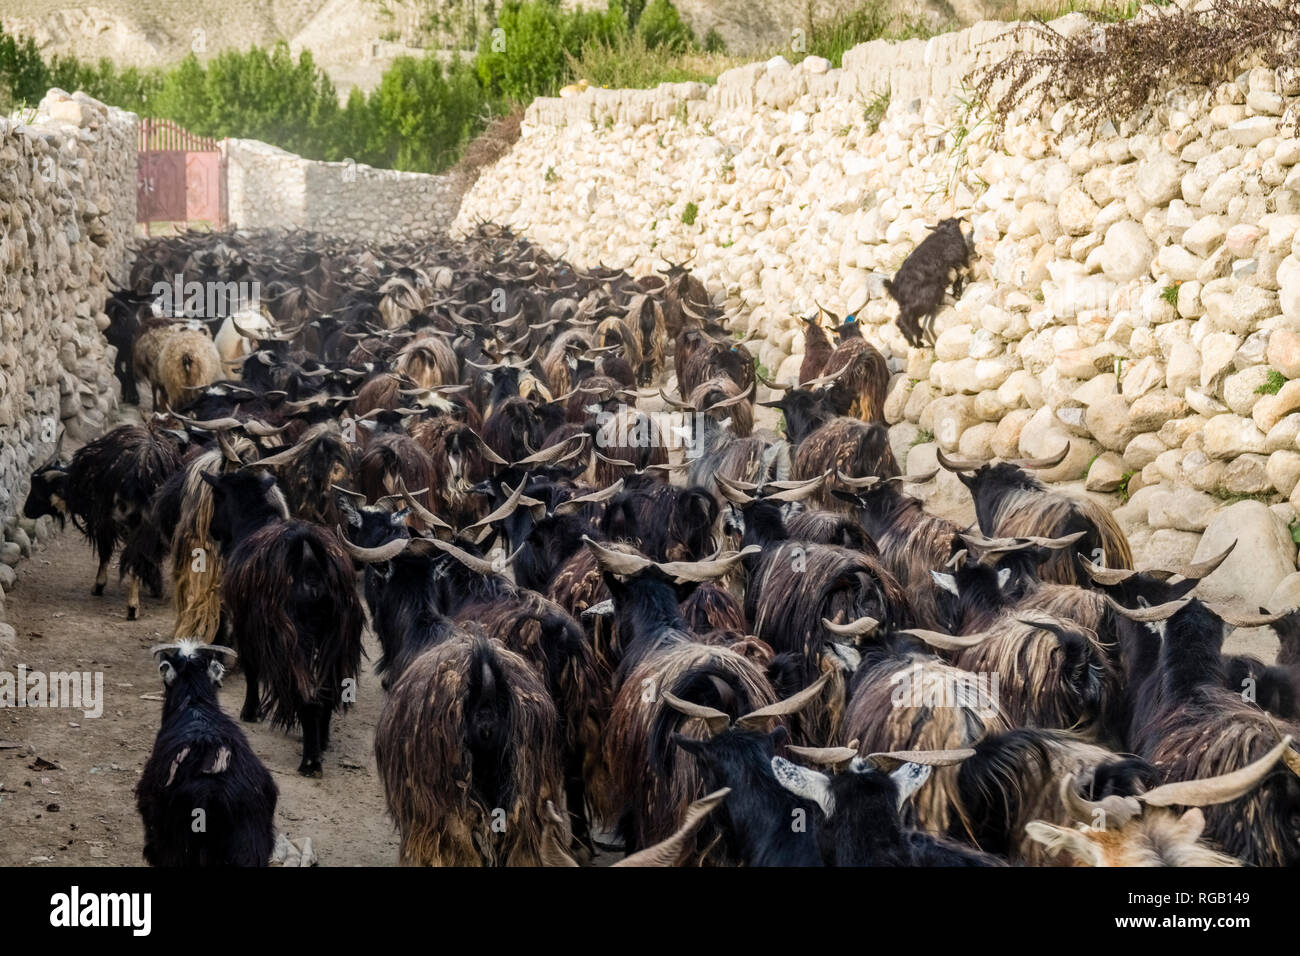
[271, 188]
[67, 201]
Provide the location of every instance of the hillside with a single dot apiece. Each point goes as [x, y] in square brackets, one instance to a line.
[355, 39]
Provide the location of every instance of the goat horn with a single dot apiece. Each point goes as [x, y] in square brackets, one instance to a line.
[825, 379]
[684, 406]
[734, 400]
[508, 507]
[856, 484]
[1221, 789]
[1120, 809]
[471, 561]
[778, 386]
[1103, 575]
[799, 490]
[599, 497]
[863, 625]
[354, 495]
[377, 555]
[918, 479]
[617, 562]
[670, 851]
[947, 642]
[783, 708]
[286, 457]
[732, 491]
[555, 453]
[889, 759]
[227, 448]
[1051, 461]
[958, 464]
[487, 453]
[1146, 615]
[551, 853]
[827, 756]
[1230, 615]
[716, 720]
[706, 570]
[1202, 569]
[420, 511]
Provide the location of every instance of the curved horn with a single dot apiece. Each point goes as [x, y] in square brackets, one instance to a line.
[377, 555]
[1230, 615]
[856, 484]
[783, 708]
[1147, 615]
[1203, 569]
[732, 491]
[670, 851]
[1221, 789]
[1103, 575]
[1114, 808]
[958, 464]
[599, 497]
[947, 642]
[800, 490]
[827, 756]
[863, 625]
[1051, 461]
[716, 720]
[706, 570]
[617, 562]
[889, 759]
[419, 510]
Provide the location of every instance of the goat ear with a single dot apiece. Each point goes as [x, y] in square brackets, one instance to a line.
[805, 783]
[1057, 838]
[1004, 576]
[909, 778]
[211, 479]
[691, 745]
[216, 671]
[945, 581]
[1191, 824]
[779, 736]
[167, 671]
[266, 480]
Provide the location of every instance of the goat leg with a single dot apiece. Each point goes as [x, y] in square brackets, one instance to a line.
[250, 712]
[309, 718]
[132, 596]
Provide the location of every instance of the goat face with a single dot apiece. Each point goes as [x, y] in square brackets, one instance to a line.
[46, 496]
[242, 500]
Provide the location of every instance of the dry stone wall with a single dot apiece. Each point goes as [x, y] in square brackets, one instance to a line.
[274, 189]
[67, 201]
[1137, 294]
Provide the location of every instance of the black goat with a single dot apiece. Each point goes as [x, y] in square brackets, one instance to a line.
[201, 761]
[939, 262]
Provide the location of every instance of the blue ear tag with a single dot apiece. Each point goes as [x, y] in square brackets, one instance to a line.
[850, 319]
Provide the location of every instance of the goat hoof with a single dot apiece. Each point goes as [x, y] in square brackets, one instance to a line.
[97, 590]
[132, 613]
[310, 768]
[248, 716]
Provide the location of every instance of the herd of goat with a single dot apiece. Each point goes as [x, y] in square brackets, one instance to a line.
[701, 643]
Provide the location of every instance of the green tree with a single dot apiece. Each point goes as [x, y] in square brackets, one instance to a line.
[662, 26]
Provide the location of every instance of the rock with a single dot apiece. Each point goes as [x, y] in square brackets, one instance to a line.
[1076, 211]
[1142, 451]
[8, 577]
[1159, 179]
[1283, 435]
[1241, 390]
[10, 553]
[1108, 421]
[951, 416]
[1183, 509]
[1283, 471]
[1042, 436]
[1263, 557]
[1183, 370]
[1141, 377]
[1247, 475]
[1106, 473]
[902, 437]
[1154, 409]
[1126, 252]
[1206, 235]
[1284, 352]
[8, 645]
[1271, 409]
[1178, 263]
[1166, 550]
[1217, 352]
[1227, 436]
[1006, 436]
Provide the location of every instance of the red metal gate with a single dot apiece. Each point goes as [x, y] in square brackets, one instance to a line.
[181, 177]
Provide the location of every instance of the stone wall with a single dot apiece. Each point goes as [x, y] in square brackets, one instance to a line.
[270, 188]
[1137, 294]
[67, 197]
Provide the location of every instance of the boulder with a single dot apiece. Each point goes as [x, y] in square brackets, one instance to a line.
[1263, 557]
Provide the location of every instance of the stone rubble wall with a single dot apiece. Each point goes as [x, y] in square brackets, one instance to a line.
[67, 201]
[1137, 294]
[271, 188]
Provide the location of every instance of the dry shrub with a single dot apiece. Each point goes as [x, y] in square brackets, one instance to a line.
[490, 145]
[1113, 70]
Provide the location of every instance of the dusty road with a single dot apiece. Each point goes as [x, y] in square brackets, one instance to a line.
[83, 813]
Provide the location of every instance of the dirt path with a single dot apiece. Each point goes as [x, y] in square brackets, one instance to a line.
[83, 814]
